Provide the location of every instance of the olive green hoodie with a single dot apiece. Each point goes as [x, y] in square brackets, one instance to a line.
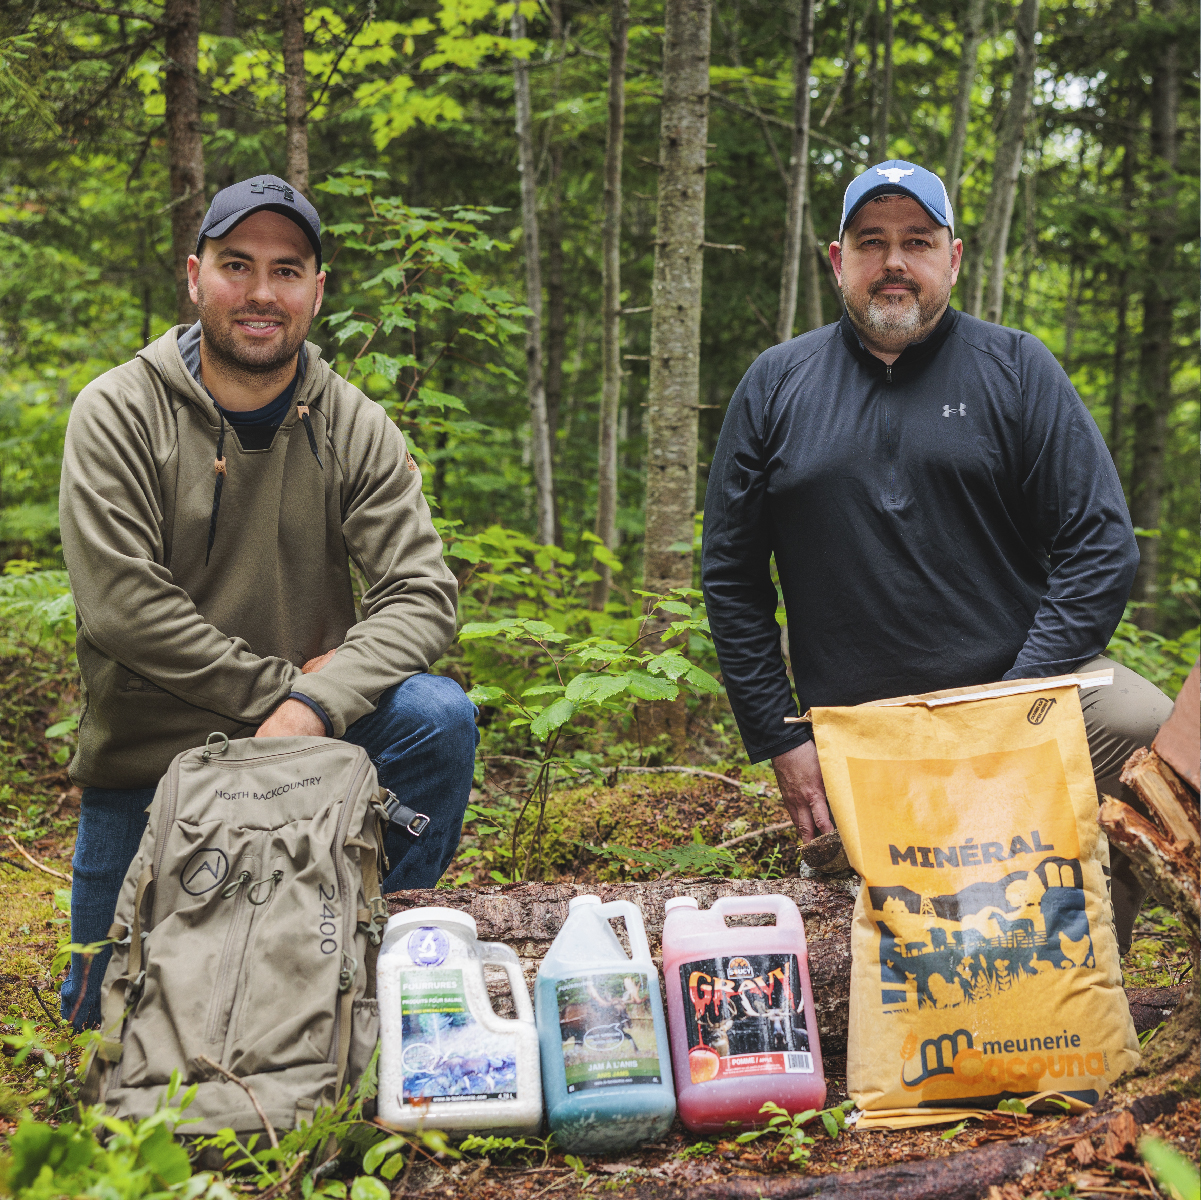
[171, 649]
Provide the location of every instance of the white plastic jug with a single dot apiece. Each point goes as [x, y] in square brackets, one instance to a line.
[447, 1061]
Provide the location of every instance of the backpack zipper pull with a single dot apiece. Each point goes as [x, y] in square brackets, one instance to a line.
[232, 889]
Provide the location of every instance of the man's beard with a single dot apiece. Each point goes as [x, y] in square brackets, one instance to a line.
[247, 364]
[891, 324]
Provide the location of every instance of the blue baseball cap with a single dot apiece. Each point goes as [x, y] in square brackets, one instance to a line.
[232, 205]
[896, 177]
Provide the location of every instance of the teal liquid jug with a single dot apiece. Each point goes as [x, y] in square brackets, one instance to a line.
[606, 1060]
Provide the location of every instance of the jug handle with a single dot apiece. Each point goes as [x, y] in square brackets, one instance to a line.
[517, 984]
[635, 928]
[742, 906]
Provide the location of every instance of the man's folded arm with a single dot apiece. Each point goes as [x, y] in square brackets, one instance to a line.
[740, 597]
[1074, 494]
[128, 606]
[409, 607]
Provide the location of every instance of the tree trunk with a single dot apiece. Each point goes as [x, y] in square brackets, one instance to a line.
[811, 270]
[185, 149]
[1155, 351]
[798, 170]
[880, 137]
[973, 27]
[1121, 339]
[674, 385]
[295, 102]
[606, 467]
[539, 432]
[556, 316]
[227, 27]
[1007, 167]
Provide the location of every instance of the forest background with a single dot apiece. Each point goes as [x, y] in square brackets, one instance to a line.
[498, 278]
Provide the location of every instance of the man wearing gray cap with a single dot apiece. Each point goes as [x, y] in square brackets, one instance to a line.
[939, 503]
[214, 491]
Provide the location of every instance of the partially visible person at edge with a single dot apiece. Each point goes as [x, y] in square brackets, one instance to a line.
[940, 504]
[214, 491]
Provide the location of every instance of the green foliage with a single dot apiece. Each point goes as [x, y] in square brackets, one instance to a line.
[692, 858]
[696, 1150]
[1173, 1172]
[138, 1160]
[36, 607]
[1015, 1106]
[1164, 661]
[790, 1130]
[951, 1134]
[505, 1149]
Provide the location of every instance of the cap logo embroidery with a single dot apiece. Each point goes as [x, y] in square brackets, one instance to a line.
[260, 186]
[893, 174]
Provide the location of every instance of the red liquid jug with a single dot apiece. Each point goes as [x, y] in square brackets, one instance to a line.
[740, 1013]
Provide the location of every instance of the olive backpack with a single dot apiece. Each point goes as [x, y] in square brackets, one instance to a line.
[246, 934]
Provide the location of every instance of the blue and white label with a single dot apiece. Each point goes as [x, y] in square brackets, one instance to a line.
[428, 946]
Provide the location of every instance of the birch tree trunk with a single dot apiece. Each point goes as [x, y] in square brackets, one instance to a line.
[972, 27]
[227, 27]
[606, 467]
[1156, 346]
[295, 102]
[798, 170]
[674, 384]
[880, 137]
[539, 431]
[185, 149]
[1007, 167]
[811, 273]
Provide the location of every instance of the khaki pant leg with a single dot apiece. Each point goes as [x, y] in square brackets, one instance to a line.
[1119, 719]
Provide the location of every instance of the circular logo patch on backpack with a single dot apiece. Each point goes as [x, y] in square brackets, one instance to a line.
[428, 946]
[204, 871]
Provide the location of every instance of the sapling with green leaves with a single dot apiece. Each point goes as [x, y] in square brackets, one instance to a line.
[791, 1129]
[591, 677]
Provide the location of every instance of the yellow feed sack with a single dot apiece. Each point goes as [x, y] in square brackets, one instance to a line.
[984, 959]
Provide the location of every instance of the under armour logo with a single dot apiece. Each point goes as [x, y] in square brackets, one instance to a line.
[259, 186]
[893, 174]
[949, 411]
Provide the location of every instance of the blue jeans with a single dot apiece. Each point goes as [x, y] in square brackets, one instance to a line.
[421, 738]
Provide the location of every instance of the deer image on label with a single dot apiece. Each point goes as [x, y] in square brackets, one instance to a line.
[605, 1065]
[740, 1009]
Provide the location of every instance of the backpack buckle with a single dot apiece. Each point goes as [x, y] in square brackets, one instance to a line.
[414, 822]
[379, 918]
[347, 973]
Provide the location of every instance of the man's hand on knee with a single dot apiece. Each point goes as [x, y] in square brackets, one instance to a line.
[292, 719]
[801, 788]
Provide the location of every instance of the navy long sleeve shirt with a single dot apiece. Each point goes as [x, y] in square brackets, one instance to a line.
[950, 520]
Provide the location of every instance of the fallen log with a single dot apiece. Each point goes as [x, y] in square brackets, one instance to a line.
[527, 916]
[1170, 867]
[1166, 795]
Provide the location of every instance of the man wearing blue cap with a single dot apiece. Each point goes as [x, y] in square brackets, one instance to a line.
[214, 491]
[940, 506]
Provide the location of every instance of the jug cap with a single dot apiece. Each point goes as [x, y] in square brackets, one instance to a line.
[680, 902]
[577, 901]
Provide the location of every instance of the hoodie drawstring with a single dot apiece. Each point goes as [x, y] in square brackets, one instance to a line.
[218, 483]
[303, 410]
[219, 466]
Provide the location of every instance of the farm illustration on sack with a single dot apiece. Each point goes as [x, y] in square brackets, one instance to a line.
[956, 949]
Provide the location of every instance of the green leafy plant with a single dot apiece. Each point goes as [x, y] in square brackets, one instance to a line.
[790, 1129]
[955, 1130]
[691, 858]
[591, 677]
[506, 1148]
[423, 276]
[1175, 1173]
[696, 1150]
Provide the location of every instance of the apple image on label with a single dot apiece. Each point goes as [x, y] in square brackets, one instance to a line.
[703, 1064]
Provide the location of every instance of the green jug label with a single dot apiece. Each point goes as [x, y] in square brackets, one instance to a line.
[447, 1055]
[745, 1015]
[608, 1030]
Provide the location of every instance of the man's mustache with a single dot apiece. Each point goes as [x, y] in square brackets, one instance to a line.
[900, 281]
[260, 314]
